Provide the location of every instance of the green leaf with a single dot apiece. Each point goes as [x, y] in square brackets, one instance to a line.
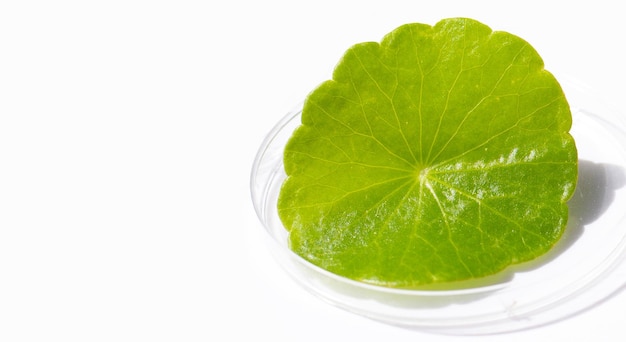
[440, 154]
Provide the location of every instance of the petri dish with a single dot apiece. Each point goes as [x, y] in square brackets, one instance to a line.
[585, 268]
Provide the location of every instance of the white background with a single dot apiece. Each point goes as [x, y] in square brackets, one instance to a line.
[127, 134]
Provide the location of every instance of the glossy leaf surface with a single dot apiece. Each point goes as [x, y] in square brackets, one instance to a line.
[440, 154]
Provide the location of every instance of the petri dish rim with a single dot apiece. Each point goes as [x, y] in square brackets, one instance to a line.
[499, 304]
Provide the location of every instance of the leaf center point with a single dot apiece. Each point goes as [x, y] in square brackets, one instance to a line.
[421, 173]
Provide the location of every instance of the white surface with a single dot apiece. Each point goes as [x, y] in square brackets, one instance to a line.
[127, 133]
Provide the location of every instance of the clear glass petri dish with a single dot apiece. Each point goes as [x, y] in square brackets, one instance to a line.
[584, 268]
